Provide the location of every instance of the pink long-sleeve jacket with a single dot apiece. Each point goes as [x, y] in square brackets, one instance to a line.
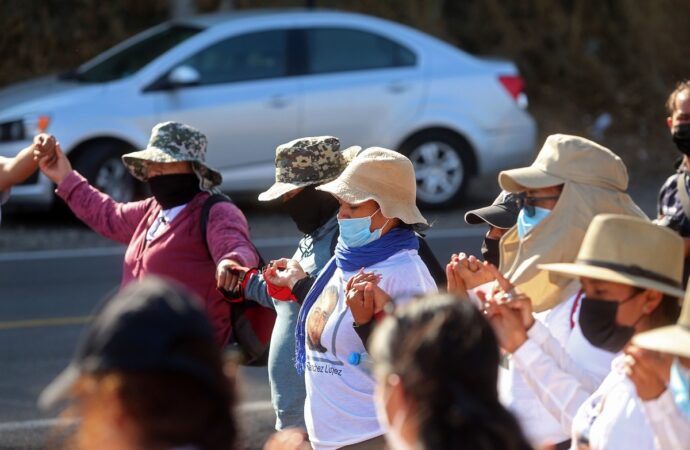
[178, 253]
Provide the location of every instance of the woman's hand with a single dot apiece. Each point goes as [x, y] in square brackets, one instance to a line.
[364, 297]
[288, 439]
[228, 274]
[509, 295]
[648, 370]
[51, 160]
[506, 323]
[509, 311]
[456, 284]
[466, 272]
[284, 273]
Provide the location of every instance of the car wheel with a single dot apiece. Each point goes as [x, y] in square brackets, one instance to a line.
[443, 163]
[101, 164]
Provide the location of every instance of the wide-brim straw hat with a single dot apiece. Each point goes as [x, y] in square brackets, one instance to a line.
[625, 249]
[565, 158]
[673, 339]
[307, 161]
[385, 176]
[174, 142]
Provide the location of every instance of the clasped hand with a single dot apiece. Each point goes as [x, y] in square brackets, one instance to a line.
[508, 310]
[364, 297]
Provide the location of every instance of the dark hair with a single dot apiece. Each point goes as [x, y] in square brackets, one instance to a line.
[681, 86]
[447, 357]
[666, 313]
[171, 409]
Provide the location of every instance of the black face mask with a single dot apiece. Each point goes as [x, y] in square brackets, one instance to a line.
[598, 323]
[311, 208]
[174, 190]
[491, 251]
[681, 137]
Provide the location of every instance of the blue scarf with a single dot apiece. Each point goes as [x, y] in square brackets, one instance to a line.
[349, 260]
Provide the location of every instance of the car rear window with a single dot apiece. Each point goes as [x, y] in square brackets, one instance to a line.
[345, 49]
[132, 58]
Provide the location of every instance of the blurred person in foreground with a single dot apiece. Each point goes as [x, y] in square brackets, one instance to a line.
[659, 365]
[148, 375]
[163, 232]
[673, 206]
[377, 220]
[20, 167]
[571, 181]
[301, 165]
[436, 368]
[628, 290]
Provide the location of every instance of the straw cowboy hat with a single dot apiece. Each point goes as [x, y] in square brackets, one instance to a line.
[174, 142]
[568, 158]
[307, 161]
[626, 250]
[673, 339]
[385, 176]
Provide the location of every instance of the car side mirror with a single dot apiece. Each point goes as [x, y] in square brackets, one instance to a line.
[183, 76]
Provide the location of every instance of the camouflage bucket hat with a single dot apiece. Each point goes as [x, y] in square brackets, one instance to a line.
[174, 142]
[307, 161]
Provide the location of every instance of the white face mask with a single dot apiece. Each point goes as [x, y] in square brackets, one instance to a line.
[393, 429]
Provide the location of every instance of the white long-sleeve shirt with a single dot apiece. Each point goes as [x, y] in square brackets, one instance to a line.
[554, 341]
[671, 429]
[612, 417]
[607, 417]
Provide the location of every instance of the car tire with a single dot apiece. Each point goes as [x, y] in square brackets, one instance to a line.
[101, 164]
[443, 163]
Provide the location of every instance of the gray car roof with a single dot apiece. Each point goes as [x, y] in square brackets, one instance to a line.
[213, 19]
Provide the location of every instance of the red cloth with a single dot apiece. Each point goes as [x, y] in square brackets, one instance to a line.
[179, 253]
[279, 293]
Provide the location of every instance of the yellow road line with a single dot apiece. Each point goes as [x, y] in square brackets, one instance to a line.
[37, 323]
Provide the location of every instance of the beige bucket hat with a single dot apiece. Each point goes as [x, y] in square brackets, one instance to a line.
[626, 249]
[307, 161]
[568, 158]
[673, 339]
[174, 142]
[384, 176]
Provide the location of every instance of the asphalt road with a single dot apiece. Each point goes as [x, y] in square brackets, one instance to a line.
[47, 296]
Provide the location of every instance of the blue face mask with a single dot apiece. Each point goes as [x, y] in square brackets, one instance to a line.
[525, 223]
[679, 385]
[355, 232]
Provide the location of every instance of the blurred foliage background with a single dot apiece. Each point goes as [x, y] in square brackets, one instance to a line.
[580, 58]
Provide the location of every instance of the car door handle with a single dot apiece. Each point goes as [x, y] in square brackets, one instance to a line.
[397, 87]
[279, 101]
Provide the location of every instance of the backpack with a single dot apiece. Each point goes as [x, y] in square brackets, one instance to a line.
[252, 324]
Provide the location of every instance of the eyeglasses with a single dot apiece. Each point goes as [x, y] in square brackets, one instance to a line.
[527, 203]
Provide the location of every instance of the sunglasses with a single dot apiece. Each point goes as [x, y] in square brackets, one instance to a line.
[527, 203]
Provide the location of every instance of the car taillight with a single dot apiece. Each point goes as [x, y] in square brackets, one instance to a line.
[515, 86]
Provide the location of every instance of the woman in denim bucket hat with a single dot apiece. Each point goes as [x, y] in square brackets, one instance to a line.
[163, 232]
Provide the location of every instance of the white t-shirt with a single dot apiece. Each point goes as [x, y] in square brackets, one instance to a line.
[339, 408]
